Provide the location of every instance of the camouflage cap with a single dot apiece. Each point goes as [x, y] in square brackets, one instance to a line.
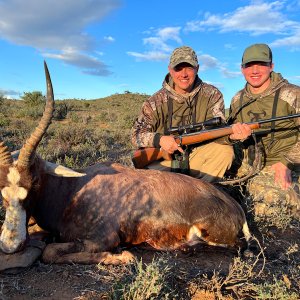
[183, 54]
[257, 52]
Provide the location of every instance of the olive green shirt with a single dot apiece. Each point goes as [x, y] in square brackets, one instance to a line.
[283, 144]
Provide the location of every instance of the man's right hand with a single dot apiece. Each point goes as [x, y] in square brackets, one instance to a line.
[168, 143]
[241, 131]
[283, 175]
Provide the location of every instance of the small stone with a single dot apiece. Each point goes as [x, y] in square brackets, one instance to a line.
[19, 261]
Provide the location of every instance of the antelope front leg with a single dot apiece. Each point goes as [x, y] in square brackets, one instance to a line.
[83, 253]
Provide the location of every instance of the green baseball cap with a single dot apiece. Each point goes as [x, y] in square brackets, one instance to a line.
[257, 52]
[183, 54]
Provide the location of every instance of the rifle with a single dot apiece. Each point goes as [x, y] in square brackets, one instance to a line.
[216, 121]
[144, 156]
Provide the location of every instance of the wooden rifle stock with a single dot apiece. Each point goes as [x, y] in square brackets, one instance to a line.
[143, 157]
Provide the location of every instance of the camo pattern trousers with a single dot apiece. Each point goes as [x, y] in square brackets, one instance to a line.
[268, 201]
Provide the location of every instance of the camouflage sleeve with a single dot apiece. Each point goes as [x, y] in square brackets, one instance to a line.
[234, 106]
[216, 106]
[142, 133]
[291, 95]
[292, 157]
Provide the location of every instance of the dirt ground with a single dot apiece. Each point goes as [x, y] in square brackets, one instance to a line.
[190, 270]
[44, 281]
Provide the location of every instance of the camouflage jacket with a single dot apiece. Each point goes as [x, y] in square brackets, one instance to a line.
[283, 145]
[202, 103]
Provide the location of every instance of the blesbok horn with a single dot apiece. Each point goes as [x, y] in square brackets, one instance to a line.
[5, 156]
[28, 149]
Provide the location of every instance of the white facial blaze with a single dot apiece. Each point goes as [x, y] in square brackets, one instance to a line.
[14, 227]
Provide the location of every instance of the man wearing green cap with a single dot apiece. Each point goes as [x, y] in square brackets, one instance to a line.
[267, 95]
[183, 100]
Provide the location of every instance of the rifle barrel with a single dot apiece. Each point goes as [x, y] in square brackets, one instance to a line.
[276, 119]
[209, 134]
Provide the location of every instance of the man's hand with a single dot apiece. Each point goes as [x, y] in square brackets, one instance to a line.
[168, 144]
[283, 175]
[241, 131]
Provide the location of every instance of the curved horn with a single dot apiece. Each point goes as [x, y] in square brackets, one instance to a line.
[28, 149]
[5, 155]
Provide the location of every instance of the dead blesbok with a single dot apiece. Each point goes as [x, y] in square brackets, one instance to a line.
[93, 211]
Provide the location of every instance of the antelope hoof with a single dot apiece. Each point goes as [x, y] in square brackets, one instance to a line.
[117, 259]
[248, 254]
[252, 249]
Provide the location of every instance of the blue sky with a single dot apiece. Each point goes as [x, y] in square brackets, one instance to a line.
[96, 48]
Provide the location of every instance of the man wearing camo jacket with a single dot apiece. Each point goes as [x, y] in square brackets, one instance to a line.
[183, 100]
[267, 95]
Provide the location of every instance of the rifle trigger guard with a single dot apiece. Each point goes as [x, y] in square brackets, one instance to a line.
[180, 140]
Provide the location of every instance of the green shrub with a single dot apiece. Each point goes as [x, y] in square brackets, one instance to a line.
[33, 112]
[35, 98]
[1, 99]
[73, 135]
[61, 111]
[277, 290]
[145, 282]
[4, 121]
[74, 117]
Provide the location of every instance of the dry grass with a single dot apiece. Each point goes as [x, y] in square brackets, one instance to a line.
[99, 130]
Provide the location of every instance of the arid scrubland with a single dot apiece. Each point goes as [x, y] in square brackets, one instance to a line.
[84, 132]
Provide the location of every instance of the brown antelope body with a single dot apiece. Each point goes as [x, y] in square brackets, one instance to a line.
[107, 204]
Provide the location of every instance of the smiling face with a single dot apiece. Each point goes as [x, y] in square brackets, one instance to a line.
[257, 74]
[184, 77]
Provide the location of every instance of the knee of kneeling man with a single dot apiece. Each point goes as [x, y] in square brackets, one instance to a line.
[228, 157]
[226, 151]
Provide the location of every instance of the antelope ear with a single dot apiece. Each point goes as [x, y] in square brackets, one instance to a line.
[59, 170]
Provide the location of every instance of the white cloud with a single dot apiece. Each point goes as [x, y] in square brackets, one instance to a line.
[158, 44]
[162, 36]
[150, 56]
[230, 74]
[257, 18]
[9, 93]
[88, 64]
[207, 62]
[229, 47]
[170, 33]
[55, 25]
[293, 79]
[292, 41]
[109, 39]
